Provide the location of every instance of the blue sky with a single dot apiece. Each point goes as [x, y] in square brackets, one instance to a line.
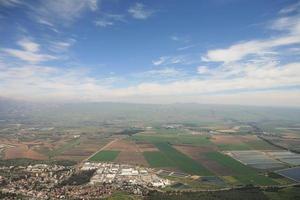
[217, 51]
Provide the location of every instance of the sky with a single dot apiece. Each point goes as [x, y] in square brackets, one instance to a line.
[243, 52]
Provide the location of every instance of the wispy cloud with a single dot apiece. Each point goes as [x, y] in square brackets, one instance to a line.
[186, 47]
[30, 52]
[65, 12]
[171, 60]
[290, 26]
[29, 45]
[290, 9]
[163, 73]
[61, 46]
[10, 3]
[183, 39]
[140, 11]
[109, 20]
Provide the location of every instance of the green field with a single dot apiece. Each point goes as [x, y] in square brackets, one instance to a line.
[158, 159]
[244, 174]
[181, 161]
[251, 145]
[105, 156]
[232, 147]
[261, 145]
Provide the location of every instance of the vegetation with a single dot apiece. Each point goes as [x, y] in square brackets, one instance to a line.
[105, 156]
[174, 139]
[243, 173]
[182, 161]
[80, 178]
[130, 131]
[158, 159]
[25, 162]
[244, 194]
[292, 193]
[122, 196]
[231, 147]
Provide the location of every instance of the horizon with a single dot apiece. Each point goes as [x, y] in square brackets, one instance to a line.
[223, 52]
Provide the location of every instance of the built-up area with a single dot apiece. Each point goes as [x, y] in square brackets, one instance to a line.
[43, 181]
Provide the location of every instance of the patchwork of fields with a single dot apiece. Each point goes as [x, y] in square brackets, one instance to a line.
[207, 159]
[200, 155]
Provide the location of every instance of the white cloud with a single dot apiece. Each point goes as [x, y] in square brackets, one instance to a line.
[10, 3]
[30, 52]
[203, 70]
[291, 8]
[103, 23]
[289, 25]
[186, 47]
[61, 46]
[171, 60]
[183, 39]
[61, 11]
[29, 56]
[93, 4]
[255, 47]
[109, 20]
[53, 83]
[166, 72]
[139, 11]
[29, 45]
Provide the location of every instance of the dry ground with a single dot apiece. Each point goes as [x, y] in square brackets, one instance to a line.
[233, 139]
[22, 150]
[146, 146]
[129, 152]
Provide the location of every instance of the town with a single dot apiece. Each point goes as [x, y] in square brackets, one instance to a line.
[43, 181]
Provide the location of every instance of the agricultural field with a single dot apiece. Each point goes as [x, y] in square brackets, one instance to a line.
[105, 156]
[180, 160]
[242, 173]
[198, 140]
[158, 159]
[130, 152]
[199, 155]
[240, 142]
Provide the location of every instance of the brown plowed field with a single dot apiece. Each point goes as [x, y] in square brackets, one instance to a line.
[233, 139]
[129, 152]
[145, 146]
[22, 151]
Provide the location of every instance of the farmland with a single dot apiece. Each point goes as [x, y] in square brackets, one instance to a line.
[192, 152]
[183, 162]
[105, 156]
[174, 139]
[244, 174]
[158, 159]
